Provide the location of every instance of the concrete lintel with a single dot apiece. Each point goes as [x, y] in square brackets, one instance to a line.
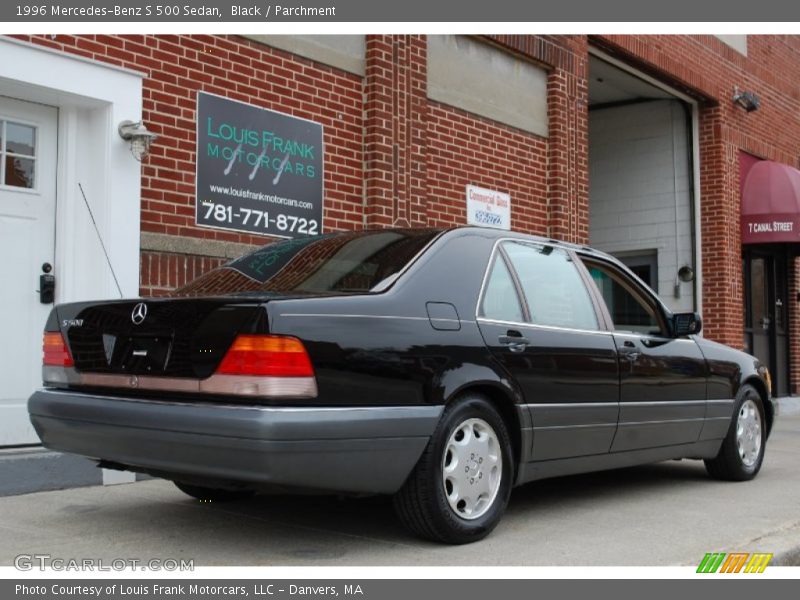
[161, 242]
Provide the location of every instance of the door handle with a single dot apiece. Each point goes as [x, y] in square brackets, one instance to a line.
[47, 285]
[629, 351]
[514, 341]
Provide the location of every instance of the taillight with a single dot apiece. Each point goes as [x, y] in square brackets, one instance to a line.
[56, 353]
[266, 355]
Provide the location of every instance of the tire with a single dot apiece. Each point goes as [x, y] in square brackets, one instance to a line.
[472, 434]
[207, 494]
[742, 451]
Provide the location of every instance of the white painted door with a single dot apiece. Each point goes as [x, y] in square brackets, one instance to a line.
[27, 240]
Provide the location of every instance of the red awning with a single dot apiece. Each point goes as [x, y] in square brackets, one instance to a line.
[771, 204]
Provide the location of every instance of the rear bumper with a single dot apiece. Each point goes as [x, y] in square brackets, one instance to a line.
[348, 449]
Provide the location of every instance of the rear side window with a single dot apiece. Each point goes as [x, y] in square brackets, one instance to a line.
[354, 262]
[500, 300]
[552, 285]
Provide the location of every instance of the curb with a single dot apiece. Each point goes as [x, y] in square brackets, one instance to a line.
[784, 543]
[788, 405]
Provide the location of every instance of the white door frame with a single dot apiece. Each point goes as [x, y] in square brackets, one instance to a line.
[92, 98]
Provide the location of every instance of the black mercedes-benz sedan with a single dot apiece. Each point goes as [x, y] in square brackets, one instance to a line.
[443, 367]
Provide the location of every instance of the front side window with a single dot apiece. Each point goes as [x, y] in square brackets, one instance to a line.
[629, 309]
[553, 287]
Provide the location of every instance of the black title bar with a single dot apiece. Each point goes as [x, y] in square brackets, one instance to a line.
[459, 11]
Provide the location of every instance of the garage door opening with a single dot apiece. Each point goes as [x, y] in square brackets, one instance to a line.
[641, 182]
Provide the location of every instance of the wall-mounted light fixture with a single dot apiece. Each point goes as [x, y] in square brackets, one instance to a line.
[685, 274]
[747, 100]
[138, 136]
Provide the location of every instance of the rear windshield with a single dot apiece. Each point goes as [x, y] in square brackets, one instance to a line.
[354, 262]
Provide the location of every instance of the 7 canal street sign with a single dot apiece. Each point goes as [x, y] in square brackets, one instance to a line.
[759, 229]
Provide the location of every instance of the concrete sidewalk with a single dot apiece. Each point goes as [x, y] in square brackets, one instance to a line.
[665, 514]
[789, 405]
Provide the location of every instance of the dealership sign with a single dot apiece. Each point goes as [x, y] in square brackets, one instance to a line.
[258, 170]
[488, 208]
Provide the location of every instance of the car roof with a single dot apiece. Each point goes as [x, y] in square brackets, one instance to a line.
[517, 235]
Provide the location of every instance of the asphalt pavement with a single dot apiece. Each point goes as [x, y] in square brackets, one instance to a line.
[664, 514]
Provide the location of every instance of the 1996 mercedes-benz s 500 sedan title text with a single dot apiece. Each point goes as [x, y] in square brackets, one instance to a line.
[441, 366]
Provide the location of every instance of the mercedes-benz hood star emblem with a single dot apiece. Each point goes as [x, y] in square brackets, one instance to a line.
[139, 313]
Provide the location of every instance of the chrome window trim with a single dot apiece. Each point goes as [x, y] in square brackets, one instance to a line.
[623, 403]
[664, 403]
[354, 316]
[581, 426]
[661, 422]
[574, 404]
[545, 327]
[490, 264]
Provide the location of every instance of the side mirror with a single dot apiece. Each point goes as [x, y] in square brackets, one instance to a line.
[686, 324]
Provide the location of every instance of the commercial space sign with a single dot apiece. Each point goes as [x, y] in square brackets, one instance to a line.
[258, 170]
[488, 208]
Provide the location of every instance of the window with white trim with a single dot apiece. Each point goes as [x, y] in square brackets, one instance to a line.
[17, 154]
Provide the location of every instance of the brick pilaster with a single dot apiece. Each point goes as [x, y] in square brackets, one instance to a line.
[720, 234]
[395, 132]
[568, 149]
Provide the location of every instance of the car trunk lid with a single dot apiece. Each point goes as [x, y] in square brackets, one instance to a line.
[158, 337]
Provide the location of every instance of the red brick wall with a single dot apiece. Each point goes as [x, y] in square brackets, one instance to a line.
[392, 157]
[161, 272]
[396, 92]
[568, 173]
[465, 149]
[395, 158]
[567, 153]
[709, 70]
[176, 67]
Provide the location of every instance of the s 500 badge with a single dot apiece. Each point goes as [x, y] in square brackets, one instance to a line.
[72, 323]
